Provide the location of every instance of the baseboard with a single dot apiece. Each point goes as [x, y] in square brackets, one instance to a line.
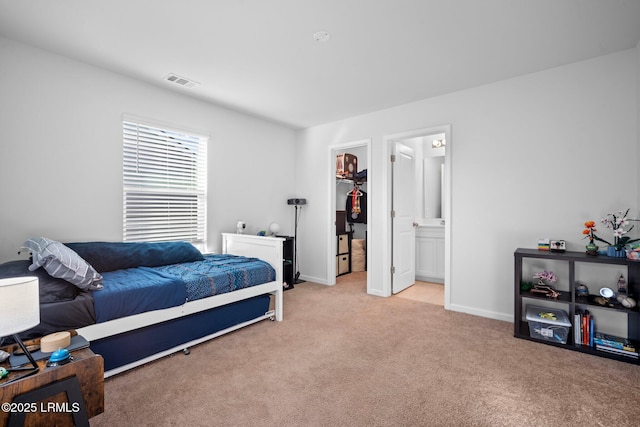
[439, 280]
[453, 307]
[313, 279]
[482, 313]
[377, 293]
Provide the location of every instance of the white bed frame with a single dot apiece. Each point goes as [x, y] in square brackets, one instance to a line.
[266, 248]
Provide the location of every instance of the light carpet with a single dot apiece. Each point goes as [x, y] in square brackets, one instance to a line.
[345, 358]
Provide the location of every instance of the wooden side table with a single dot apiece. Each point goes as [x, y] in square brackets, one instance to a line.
[69, 394]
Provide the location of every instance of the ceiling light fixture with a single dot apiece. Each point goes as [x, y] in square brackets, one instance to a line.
[321, 36]
[437, 143]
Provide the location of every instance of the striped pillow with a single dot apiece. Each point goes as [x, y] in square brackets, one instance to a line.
[61, 262]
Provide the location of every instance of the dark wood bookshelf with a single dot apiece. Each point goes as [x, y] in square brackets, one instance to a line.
[570, 303]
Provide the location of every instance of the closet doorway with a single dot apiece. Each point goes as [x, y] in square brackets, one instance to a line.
[349, 210]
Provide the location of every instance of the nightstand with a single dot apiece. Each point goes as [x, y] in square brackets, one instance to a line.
[62, 395]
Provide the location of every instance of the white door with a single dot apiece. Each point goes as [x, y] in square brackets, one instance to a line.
[402, 224]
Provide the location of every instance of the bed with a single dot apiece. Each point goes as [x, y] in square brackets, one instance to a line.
[133, 311]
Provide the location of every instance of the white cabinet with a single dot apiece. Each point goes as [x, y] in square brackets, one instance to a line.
[430, 253]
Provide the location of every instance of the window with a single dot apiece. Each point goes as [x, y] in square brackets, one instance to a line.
[165, 184]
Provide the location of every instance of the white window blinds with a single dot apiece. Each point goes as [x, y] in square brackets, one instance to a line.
[165, 184]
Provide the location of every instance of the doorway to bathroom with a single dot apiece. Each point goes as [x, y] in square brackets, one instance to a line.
[420, 241]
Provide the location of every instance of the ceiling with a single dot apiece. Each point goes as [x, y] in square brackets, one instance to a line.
[260, 57]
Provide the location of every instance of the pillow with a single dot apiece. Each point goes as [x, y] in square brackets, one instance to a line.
[112, 256]
[63, 263]
[51, 289]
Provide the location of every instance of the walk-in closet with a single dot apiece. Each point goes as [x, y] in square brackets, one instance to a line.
[351, 210]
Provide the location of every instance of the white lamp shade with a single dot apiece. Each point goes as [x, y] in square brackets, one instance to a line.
[20, 301]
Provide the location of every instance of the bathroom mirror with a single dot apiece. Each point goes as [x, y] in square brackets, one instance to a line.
[434, 151]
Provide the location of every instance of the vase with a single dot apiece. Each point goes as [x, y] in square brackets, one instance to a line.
[615, 253]
[592, 249]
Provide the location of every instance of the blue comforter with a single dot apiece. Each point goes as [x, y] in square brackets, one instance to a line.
[136, 290]
[218, 274]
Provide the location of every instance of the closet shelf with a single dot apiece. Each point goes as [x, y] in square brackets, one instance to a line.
[351, 181]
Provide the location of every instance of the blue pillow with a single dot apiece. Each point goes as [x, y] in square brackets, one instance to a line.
[63, 263]
[111, 256]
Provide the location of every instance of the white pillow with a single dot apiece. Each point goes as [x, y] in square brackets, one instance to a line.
[61, 262]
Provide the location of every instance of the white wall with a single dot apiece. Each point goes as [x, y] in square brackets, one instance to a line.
[532, 157]
[638, 115]
[61, 152]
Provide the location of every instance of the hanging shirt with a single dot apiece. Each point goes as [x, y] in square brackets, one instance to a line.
[356, 208]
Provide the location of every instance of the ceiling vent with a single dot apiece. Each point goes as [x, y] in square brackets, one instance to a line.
[182, 81]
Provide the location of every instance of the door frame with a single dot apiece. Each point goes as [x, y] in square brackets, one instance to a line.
[387, 202]
[331, 213]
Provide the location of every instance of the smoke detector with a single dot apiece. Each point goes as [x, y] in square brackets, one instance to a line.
[321, 36]
[182, 81]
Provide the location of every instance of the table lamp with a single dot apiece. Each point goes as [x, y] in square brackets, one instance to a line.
[20, 302]
[274, 227]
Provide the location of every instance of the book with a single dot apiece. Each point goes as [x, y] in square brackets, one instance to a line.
[614, 345]
[585, 327]
[613, 342]
[633, 354]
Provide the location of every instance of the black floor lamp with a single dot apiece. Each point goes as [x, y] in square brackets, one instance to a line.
[296, 203]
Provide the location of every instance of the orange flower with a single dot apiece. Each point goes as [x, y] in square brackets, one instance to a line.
[590, 232]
